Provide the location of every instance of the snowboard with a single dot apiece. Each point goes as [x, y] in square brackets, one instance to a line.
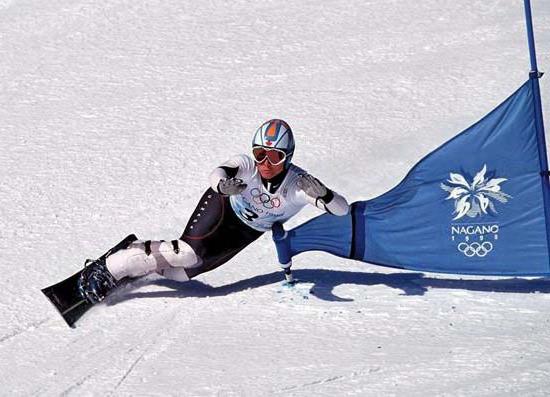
[66, 296]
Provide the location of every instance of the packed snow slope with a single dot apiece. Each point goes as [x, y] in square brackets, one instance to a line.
[112, 115]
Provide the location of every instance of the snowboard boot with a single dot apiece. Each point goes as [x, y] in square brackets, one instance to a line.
[96, 281]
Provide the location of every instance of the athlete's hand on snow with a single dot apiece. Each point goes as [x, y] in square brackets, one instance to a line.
[312, 186]
[231, 186]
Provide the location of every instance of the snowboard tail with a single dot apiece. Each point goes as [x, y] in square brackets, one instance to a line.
[66, 296]
[67, 299]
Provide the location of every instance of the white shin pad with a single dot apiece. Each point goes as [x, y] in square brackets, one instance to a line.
[163, 258]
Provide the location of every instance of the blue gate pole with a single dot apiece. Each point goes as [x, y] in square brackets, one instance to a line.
[534, 76]
[530, 36]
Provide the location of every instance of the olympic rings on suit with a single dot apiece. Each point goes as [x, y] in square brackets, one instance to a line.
[264, 199]
[475, 249]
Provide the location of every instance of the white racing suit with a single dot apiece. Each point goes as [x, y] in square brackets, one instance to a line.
[221, 226]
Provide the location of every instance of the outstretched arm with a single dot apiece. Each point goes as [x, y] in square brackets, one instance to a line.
[321, 196]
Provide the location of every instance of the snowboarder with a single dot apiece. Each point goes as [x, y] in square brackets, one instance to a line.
[247, 196]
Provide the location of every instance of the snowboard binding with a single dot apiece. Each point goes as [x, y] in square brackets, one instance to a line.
[95, 281]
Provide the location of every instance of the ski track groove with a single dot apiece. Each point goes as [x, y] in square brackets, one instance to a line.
[76, 385]
[32, 326]
[163, 330]
[129, 371]
[354, 374]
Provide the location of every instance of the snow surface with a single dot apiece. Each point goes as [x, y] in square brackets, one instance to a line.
[113, 113]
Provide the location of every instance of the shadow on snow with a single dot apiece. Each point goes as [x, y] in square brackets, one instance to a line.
[324, 281]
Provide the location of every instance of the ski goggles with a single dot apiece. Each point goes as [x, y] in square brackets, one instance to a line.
[274, 156]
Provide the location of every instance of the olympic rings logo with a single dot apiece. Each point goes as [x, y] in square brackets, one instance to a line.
[264, 199]
[475, 249]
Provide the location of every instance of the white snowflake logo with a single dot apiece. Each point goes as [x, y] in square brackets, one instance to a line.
[473, 199]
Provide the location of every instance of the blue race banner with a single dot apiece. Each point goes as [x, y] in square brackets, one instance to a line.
[475, 205]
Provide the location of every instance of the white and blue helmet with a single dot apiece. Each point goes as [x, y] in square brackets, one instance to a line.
[275, 134]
